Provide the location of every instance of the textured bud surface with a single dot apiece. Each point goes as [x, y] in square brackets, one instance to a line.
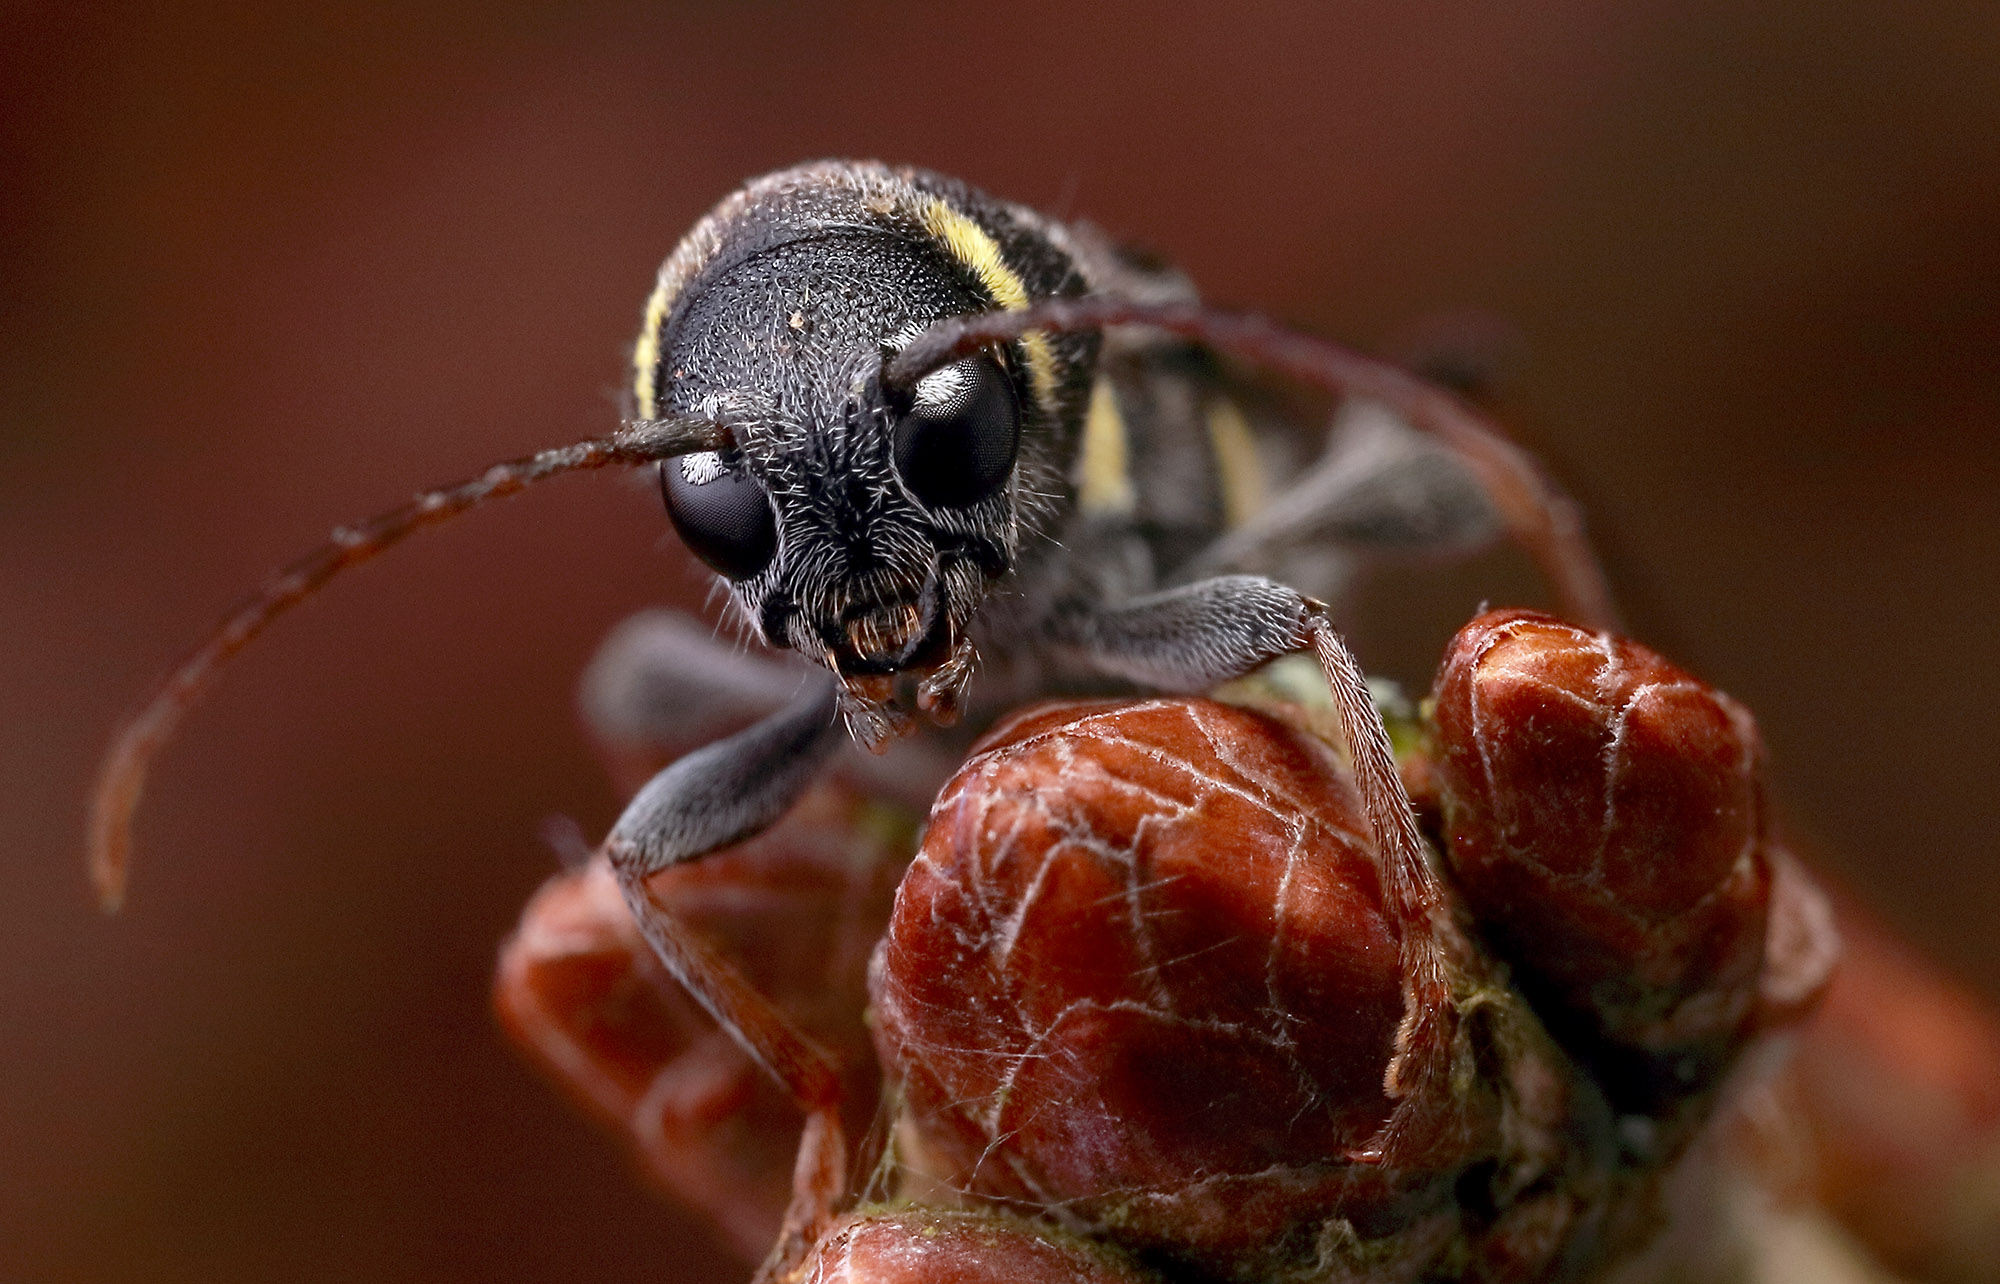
[933, 1246]
[1152, 1006]
[1141, 976]
[1604, 817]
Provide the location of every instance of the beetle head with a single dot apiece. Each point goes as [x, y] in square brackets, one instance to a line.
[855, 522]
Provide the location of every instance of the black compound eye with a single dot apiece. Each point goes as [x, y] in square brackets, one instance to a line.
[723, 517]
[956, 444]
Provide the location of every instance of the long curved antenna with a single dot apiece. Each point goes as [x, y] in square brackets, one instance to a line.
[122, 775]
[1538, 514]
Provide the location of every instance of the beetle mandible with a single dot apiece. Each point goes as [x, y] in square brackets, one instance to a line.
[918, 431]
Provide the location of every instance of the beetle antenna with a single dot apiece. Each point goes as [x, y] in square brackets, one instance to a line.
[1537, 513]
[122, 776]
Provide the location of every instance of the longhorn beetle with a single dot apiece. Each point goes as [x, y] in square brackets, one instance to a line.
[916, 431]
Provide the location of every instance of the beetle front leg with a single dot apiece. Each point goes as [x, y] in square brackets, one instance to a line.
[1193, 637]
[1203, 634]
[728, 790]
[704, 801]
[1213, 631]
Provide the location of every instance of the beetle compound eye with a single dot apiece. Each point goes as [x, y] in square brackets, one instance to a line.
[723, 517]
[956, 444]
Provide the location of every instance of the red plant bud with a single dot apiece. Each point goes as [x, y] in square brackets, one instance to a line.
[1151, 983]
[935, 1246]
[1142, 977]
[797, 910]
[1604, 815]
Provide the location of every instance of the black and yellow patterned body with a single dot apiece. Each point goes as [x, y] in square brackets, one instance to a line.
[775, 314]
[1052, 511]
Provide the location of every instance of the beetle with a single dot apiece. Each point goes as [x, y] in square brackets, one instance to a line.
[919, 432]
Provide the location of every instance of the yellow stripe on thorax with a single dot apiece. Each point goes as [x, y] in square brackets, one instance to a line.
[1240, 472]
[646, 355]
[1104, 463]
[972, 246]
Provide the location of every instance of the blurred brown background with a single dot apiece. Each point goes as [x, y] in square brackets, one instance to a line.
[260, 274]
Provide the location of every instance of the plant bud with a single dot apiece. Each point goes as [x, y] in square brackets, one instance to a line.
[1604, 817]
[1141, 977]
[937, 1246]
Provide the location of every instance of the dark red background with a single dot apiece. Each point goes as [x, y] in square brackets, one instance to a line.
[262, 274]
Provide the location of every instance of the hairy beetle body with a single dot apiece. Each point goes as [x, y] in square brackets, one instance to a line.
[1131, 455]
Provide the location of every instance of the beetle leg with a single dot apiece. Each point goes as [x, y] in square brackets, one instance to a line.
[662, 684]
[665, 681]
[761, 1028]
[707, 800]
[1380, 487]
[1203, 634]
[1192, 637]
[1213, 631]
[728, 790]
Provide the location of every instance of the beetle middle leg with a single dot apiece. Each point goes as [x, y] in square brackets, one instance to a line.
[1533, 509]
[664, 682]
[1380, 487]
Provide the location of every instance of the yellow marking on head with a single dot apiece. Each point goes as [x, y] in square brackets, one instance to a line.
[1240, 471]
[1104, 464]
[974, 247]
[646, 354]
